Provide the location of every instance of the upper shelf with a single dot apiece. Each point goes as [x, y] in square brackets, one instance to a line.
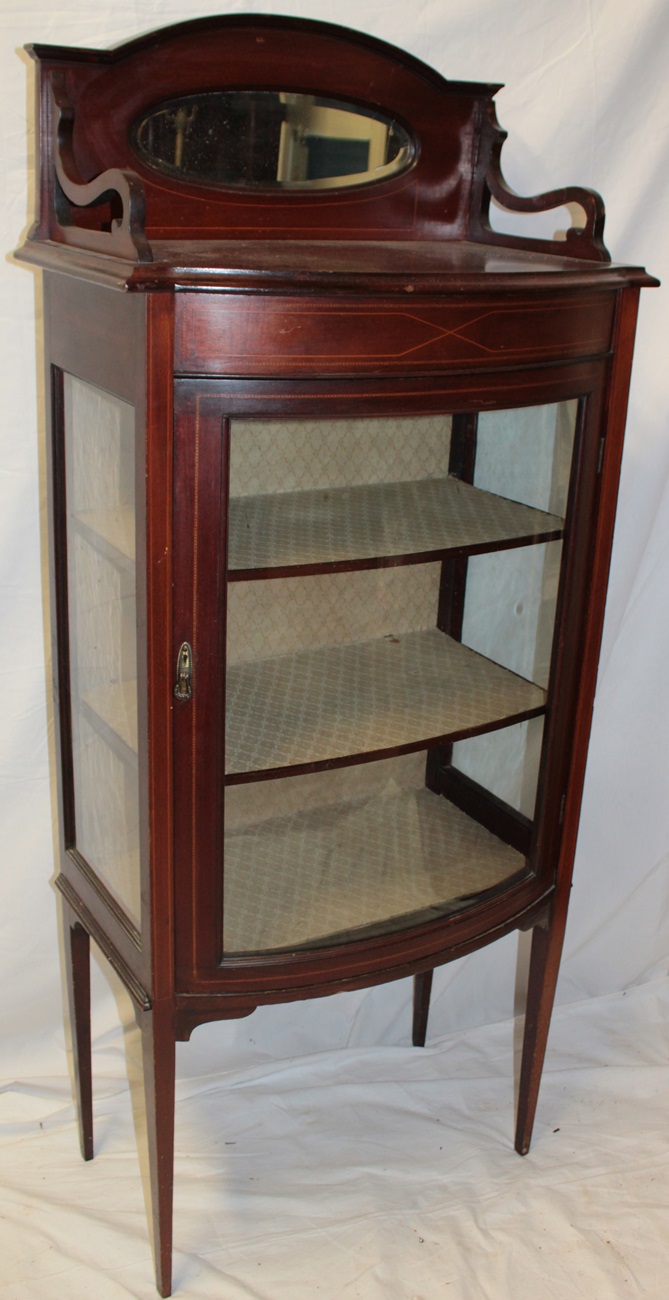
[375, 524]
[360, 527]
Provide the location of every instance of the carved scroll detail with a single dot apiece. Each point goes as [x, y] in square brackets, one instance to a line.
[126, 235]
[584, 242]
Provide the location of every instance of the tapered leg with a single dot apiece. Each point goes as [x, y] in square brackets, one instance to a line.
[544, 966]
[78, 973]
[159, 1065]
[422, 988]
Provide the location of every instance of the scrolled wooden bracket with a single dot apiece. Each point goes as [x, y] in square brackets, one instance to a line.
[126, 235]
[585, 242]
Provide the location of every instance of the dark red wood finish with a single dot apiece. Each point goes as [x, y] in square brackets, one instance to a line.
[107, 92]
[229, 335]
[389, 299]
[548, 940]
[421, 1006]
[89, 101]
[78, 977]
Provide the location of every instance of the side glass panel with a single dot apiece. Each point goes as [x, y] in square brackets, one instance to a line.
[100, 493]
[391, 597]
[510, 601]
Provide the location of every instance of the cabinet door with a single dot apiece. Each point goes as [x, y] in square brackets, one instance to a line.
[381, 670]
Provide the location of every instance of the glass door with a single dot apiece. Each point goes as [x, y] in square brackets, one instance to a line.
[391, 595]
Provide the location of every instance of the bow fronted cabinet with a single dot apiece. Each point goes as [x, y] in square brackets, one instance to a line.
[333, 473]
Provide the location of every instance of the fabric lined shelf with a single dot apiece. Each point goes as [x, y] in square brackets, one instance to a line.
[337, 702]
[376, 523]
[341, 870]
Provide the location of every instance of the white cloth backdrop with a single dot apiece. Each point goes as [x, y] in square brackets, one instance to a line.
[586, 103]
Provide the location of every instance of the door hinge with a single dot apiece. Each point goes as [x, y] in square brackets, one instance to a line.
[184, 687]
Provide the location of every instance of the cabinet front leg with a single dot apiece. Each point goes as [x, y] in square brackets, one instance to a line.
[422, 988]
[78, 977]
[158, 1053]
[545, 956]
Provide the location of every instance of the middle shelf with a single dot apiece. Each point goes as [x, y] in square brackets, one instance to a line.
[339, 704]
[336, 704]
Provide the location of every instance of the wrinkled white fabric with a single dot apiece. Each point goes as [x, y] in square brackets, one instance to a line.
[385, 1172]
[374, 1208]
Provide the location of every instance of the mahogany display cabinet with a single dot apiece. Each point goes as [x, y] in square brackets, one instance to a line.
[333, 472]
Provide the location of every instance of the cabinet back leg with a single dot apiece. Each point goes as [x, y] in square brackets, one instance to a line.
[422, 988]
[158, 1051]
[78, 978]
[544, 966]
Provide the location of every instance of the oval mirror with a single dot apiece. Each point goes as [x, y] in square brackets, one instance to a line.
[271, 139]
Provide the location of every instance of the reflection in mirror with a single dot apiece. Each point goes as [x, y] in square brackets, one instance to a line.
[251, 138]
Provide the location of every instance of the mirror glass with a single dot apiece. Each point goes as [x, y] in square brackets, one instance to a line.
[271, 139]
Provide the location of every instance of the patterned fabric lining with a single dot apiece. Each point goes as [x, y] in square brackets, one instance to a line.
[364, 697]
[376, 520]
[299, 878]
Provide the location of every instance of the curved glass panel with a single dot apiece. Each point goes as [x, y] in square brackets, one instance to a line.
[271, 139]
[389, 637]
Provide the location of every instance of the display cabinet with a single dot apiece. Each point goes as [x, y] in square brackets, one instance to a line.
[333, 469]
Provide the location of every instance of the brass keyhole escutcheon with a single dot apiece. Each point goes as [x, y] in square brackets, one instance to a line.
[184, 685]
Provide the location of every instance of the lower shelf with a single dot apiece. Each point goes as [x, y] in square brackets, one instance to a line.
[373, 864]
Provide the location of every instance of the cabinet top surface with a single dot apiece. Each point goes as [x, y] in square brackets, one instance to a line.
[385, 266]
[421, 263]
